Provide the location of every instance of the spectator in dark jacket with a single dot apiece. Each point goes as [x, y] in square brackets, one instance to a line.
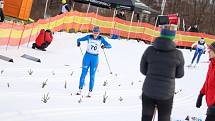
[193, 28]
[121, 15]
[208, 88]
[43, 40]
[65, 7]
[1, 11]
[161, 63]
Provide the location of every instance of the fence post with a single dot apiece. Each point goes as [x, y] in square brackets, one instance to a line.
[9, 35]
[21, 36]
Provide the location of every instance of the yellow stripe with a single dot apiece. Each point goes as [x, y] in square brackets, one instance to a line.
[105, 24]
[4, 33]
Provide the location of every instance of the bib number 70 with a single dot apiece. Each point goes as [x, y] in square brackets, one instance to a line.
[93, 47]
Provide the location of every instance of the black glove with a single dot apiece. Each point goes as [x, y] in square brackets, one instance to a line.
[78, 44]
[103, 47]
[199, 101]
[191, 49]
[203, 51]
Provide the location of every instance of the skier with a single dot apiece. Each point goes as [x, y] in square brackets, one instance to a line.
[43, 40]
[208, 88]
[91, 57]
[200, 48]
[161, 63]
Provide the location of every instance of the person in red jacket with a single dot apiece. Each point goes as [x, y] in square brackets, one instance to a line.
[43, 40]
[208, 88]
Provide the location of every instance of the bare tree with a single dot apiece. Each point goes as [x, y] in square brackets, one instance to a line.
[200, 12]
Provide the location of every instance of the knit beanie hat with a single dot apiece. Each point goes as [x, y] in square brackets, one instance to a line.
[168, 31]
[212, 46]
[63, 1]
[96, 29]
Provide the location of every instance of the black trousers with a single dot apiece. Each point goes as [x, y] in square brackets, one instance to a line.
[1, 15]
[43, 46]
[164, 108]
[210, 114]
[210, 118]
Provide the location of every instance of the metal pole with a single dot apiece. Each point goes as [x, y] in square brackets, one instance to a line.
[163, 6]
[130, 24]
[107, 62]
[97, 11]
[73, 5]
[81, 51]
[11, 29]
[88, 8]
[21, 36]
[154, 28]
[113, 22]
[44, 15]
[162, 11]
[91, 19]
[138, 22]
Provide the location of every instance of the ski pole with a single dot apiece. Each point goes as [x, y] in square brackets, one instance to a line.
[107, 62]
[81, 50]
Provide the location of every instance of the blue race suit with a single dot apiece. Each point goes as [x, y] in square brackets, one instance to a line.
[200, 48]
[91, 58]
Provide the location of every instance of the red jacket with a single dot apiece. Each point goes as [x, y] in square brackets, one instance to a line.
[40, 38]
[208, 88]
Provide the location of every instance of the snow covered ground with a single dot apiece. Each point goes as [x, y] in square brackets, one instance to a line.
[21, 93]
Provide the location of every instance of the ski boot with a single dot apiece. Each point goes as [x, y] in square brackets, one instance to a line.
[34, 45]
[79, 92]
[89, 94]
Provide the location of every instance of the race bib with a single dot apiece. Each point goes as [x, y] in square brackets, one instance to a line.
[93, 46]
[200, 46]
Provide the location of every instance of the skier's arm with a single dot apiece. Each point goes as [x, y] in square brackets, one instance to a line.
[194, 44]
[106, 44]
[203, 88]
[143, 62]
[205, 84]
[85, 38]
[180, 67]
[206, 47]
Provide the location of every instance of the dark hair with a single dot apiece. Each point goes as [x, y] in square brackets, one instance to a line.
[48, 30]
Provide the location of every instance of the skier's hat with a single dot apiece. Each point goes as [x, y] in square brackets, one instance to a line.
[212, 46]
[96, 29]
[168, 31]
[63, 1]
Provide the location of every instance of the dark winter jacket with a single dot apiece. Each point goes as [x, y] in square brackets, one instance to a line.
[193, 29]
[161, 63]
[43, 37]
[121, 16]
[208, 88]
[65, 8]
[1, 15]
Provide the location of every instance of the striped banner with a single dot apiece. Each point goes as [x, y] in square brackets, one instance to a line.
[13, 34]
